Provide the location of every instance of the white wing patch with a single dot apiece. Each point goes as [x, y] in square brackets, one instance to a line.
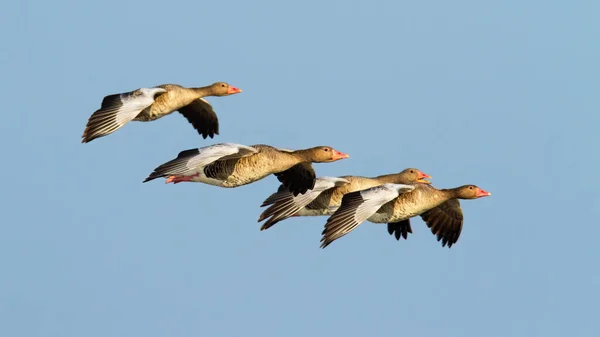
[212, 153]
[134, 104]
[331, 182]
[377, 196]
[284, 204]
[321, 184]
[357, 207]
[193, 161]
[117, 110]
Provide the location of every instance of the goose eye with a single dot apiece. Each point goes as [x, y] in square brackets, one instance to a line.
[411, 171]
[326, 150]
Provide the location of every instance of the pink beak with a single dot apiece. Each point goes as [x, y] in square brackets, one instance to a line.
[482, 193]
[337, 155]
[421, 176]
[233, 90]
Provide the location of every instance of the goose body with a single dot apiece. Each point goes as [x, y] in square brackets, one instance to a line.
[232, 165]
[327, 195]
[396, 204]
[149, 104]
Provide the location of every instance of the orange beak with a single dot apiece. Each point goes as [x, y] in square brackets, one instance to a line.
[482, 193]
[337, 155]
[421, 176]
[233, 90]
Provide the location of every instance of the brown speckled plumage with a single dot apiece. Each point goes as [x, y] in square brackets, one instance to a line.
[439, 208]
[282, 207]
[235, 170]
[188, 101]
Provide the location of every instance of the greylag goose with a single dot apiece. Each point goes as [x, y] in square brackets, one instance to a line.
[327, 195]
[233, 165]
[148, 104]
[397, 203]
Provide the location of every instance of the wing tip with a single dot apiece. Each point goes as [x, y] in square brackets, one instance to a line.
[325, 241]
[152, 176]
[88, 137]
[266, 226]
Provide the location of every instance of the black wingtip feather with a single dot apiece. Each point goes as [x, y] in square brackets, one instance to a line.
[152, 176]
[400, 229]
[445, 222]
[269, 224]
[188, 153]
[348, 197]
[112, 101]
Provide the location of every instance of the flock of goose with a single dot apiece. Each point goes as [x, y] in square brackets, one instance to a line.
[347, 200]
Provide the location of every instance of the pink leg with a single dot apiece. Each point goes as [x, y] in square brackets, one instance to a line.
[179, 179]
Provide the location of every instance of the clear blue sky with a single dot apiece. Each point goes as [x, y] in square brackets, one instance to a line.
[503, 95]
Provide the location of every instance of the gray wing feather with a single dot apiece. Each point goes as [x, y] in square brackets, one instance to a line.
[117, 110]
[191, 161]
[356, 207]
[284, 204]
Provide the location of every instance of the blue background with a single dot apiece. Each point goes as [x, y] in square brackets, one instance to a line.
[499, 94]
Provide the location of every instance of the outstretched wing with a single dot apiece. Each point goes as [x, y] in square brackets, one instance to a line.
[357, 207]
[445, 221]
[299, 178]
[285, 204]
[117, 110]
[202, 117]
[191, 161]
